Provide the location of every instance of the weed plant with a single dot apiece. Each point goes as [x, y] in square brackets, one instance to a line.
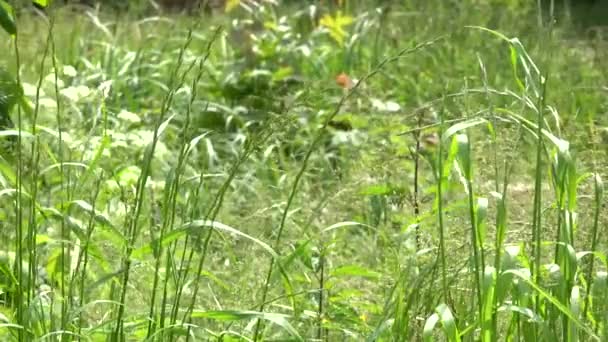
[359, 170]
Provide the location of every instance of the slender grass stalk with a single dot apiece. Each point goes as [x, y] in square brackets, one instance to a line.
[407, 295]
[402, 306]
[184, 262]
[501, 229]
[560, 179]
[599, 197]
[19, 298]
[64, 232]
[170, 203]
[537, 207]
[211, 215]
[501, 209]
[441, 225]
[35, 167]
[415, 200]
[312, 147]
[320, 308]
[465, 160]
[81, 269]
[168, 216]
[514, 297]
[382, 20]
[133, 227]
[464, 151]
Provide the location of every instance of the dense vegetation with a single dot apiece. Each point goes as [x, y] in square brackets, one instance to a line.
[328, 171]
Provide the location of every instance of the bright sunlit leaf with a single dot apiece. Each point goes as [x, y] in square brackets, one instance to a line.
[337, 25]
[42, 3]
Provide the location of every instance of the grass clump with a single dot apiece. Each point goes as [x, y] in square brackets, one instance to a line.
[382, 171]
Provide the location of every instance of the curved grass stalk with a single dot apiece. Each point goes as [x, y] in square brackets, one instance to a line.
[598, 201]
[313, 146]
[133, 226]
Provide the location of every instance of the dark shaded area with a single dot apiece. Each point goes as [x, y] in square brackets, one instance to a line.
[583, 13]
[590, 13]
[170, 5]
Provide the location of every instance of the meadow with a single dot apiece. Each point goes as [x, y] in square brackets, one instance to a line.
[355, 170]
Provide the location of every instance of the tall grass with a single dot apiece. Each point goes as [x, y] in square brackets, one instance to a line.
[182, 184]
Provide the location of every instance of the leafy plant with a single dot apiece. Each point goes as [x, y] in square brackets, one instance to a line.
[267, 173]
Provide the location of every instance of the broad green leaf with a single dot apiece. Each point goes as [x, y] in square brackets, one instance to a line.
[337, 25]
[234, 315]
[356, 271]
[345, 224]
[461, 126]
[195, 227]
[58, 166]
[595, 254]
[489, 291]
[444, 315]
[448, 322]
[429, 326]
[42, 3]
[10, 326]
[376, 190]
[561, 307]
[519, 53]
[531, 127]
[527, 312]
[7, 18]
[481, 213]
[464, 155]
[575, 307]
[41, 239]
[14, 133]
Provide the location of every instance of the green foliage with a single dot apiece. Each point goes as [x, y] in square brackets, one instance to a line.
[10, 94]
[351, 170]
[7, 18]
[42, 3]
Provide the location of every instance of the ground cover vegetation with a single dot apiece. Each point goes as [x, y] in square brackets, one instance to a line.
[303, 170]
